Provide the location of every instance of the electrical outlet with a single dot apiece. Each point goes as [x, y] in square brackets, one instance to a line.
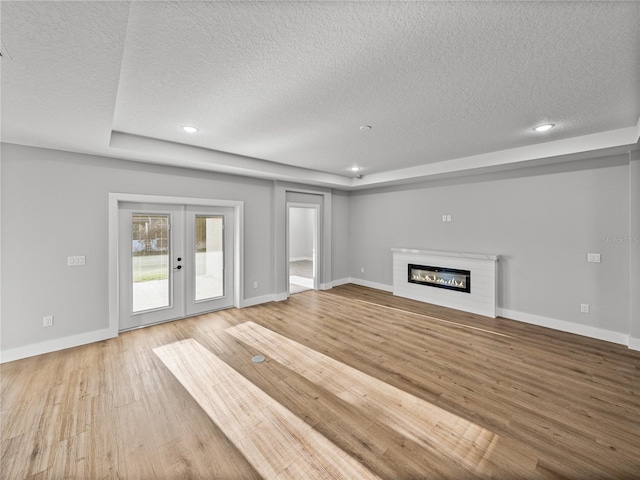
[593, 257]
[444, 218]
[448, 218]
[47, 321]
[361, 269]
[584, 307]
[255, 284]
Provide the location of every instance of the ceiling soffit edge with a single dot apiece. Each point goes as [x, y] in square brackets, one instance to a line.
[178, 154]
[588, 146]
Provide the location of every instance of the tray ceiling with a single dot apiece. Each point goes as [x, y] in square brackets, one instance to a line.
[282, 89]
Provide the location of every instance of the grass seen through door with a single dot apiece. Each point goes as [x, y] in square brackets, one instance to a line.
[147, 268]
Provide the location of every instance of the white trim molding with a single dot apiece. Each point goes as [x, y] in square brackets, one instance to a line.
[238, 251]
[56, 344]
[250, 302]
[318, 242]
[634, 249]
[341, 281]
[280, 234]
[367, 283]
[280, 297]
[564, 326]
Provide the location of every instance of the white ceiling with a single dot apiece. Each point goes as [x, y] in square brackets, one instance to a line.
[280, 89]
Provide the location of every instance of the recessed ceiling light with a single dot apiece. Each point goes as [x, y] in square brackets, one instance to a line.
[544, 128]
[365, 128]
[355, 169]
[190, 129]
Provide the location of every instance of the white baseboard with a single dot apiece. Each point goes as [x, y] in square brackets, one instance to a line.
[97, 336]
[337, 283]
[561, 325]
[569, 327]
[280, 297]
[56, 344]
[250, 302]
[105, 334]
[367, 283]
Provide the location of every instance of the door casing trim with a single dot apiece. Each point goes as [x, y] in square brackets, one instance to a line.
[238, 239]
[317, 240]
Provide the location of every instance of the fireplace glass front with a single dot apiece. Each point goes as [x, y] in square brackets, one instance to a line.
[440, 277]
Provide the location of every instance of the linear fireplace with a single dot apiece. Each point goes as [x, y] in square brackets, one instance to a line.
[440, 277]
[482, 300]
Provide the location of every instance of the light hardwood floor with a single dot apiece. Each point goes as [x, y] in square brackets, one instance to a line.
[405, 389]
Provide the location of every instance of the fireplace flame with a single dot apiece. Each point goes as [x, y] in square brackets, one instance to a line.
[440, 280]
[441, 277]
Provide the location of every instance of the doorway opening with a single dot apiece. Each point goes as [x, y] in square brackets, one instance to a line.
[302, 246]
[194, 286]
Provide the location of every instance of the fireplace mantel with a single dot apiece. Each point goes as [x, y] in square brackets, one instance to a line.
[481, 256]
[483, 277]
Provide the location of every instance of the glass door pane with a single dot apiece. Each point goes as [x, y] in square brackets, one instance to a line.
[150, 262]
[209, 257]
[174, 261]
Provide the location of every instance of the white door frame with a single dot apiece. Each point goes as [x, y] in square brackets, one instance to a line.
[317, 251]
[238, 239]
[280, 232]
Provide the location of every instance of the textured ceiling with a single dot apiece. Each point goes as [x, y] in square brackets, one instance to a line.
[285, 86]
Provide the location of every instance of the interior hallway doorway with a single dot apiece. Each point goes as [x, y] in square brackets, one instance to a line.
[302, 247]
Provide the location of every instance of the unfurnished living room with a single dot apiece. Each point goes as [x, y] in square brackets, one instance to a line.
[320, 240]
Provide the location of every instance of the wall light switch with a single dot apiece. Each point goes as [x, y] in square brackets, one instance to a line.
[444, 218]
[448, 218]
[593, 257]
[76, 261]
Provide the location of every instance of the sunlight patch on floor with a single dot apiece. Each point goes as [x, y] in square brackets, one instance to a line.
[277, 443]
[452, 436]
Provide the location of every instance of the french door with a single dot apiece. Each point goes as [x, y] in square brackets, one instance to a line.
[175, 261]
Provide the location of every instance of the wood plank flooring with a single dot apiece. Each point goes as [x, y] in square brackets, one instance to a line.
[560, 405]
[442, 432]
[275, 441]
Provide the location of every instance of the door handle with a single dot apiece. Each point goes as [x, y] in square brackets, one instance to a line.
[178, 267]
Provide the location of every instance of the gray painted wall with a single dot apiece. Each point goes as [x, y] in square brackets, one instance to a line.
[340, 227]
[541, 221]
[55, 204]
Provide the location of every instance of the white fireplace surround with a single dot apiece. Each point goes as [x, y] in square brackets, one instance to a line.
[481, 299]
